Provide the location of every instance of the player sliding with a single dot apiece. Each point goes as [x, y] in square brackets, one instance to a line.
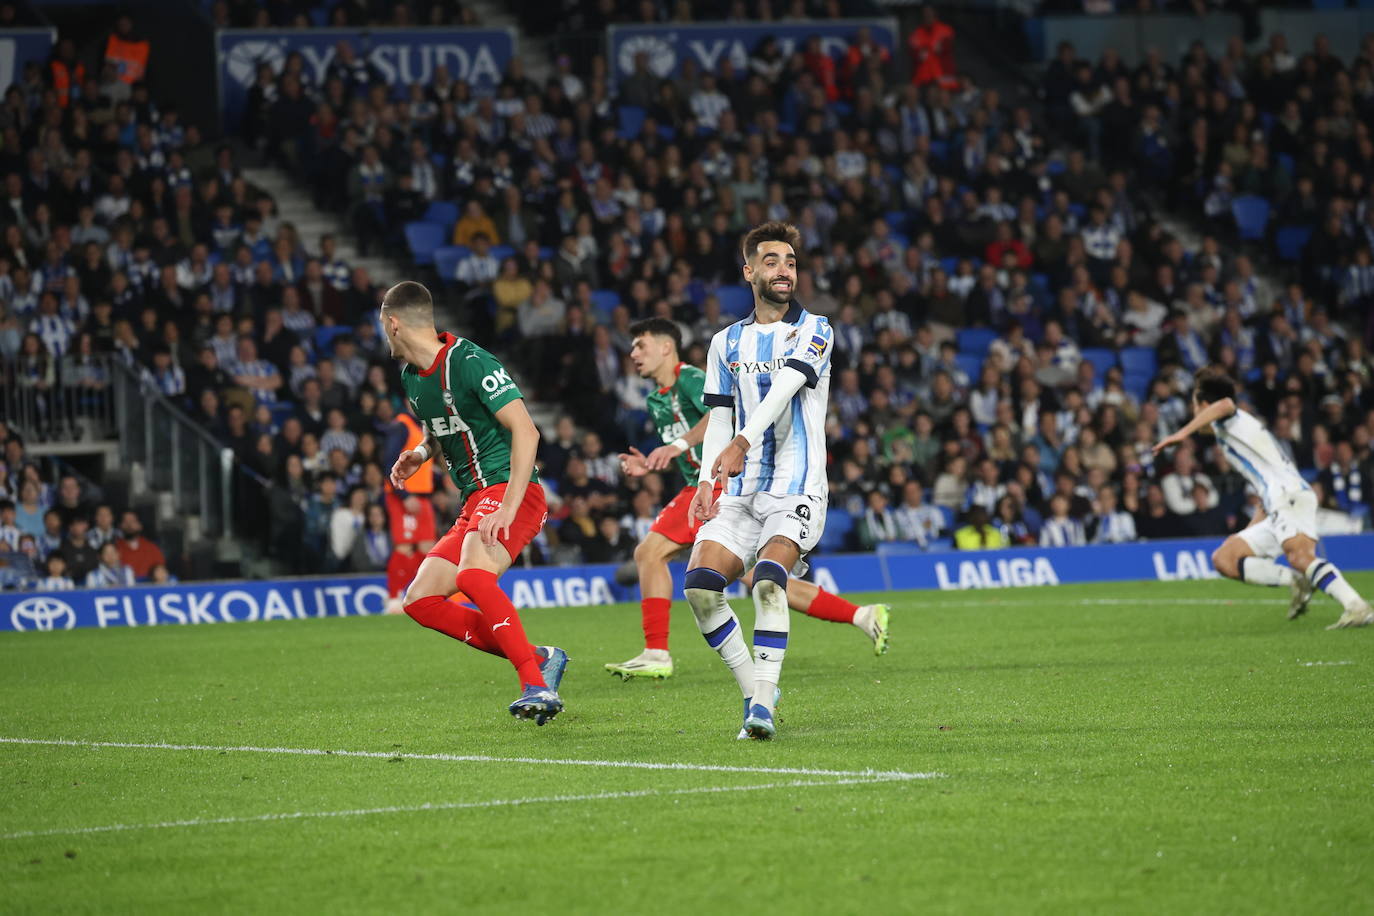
[474, 414]
[1286, 525]
[679, 415]
[767, 378]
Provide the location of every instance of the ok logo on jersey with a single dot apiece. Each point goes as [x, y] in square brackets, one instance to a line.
[495, 380]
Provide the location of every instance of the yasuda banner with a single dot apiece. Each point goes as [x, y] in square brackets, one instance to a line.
[896, 567]
[708, 43]
[20, 46]
[400, 56]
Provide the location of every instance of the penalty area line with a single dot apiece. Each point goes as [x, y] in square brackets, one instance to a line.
[867, 775]
[439, 806]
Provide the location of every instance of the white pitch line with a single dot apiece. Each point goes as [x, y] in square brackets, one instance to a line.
[442, 806]
[873, 775]
[936, 604]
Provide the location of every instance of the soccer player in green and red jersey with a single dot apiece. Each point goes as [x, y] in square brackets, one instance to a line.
[679, 414]
[475, 416]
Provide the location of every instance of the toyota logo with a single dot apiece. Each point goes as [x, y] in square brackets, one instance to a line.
[43, 612]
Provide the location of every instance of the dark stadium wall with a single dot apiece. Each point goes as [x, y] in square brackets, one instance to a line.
[181, 59]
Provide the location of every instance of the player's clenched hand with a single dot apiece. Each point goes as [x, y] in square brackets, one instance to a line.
[496, 526]
[633, 464]
[730, 462]
[407, 463]
[704, 505]
[1167, 441]
[662, 456]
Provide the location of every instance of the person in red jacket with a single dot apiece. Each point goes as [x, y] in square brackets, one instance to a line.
[136, 551]
[932, 49]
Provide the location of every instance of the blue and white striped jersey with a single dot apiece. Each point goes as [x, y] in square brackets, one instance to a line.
[789, 459]
[1253, 451]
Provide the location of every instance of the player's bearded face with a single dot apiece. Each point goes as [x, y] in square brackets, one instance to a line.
[775, 278]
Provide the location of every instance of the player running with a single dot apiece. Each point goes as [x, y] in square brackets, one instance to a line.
[472, 412]
[767, 381]
[679, 415]
[1287, 524]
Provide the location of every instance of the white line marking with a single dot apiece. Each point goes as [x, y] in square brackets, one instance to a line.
[1323, 664]
[481, 758]
[936, 604]
[442, 806]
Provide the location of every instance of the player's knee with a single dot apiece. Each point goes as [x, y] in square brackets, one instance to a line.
[1224, 561]
[647, 553]
[703, 589]
[770, 579]
[1301, 557]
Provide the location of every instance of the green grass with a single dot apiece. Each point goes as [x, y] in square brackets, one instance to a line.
[1167, 749]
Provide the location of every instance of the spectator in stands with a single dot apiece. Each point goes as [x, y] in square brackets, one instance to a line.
[1112, 525]
[137, 551]
[1178, 485]
[111, 572]
[879, 523]
[979, 533]
[55, 575]
[76, 549]
[372, 546]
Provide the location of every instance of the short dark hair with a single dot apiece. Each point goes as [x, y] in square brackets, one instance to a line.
[1212, 384]
[772, 231]
[659, 327]
[409, 300]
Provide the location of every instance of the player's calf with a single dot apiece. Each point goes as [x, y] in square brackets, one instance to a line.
[771, 628]
[705, 592]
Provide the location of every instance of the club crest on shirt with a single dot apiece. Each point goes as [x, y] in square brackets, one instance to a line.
[448, 399]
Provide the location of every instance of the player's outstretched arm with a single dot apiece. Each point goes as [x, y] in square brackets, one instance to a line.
[1217, 410]
[665, 454]
[524, 442]
[411, 460]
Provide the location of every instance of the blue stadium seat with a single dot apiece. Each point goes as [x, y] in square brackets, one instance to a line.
[897, 220]
[423, 237]
[1291, 240]
[501, 252]
[939, 149]
[838, 524]
[604, 302]
[735, 300]
[546, 253]
[1101, 358]
[949, 265]
[1251, 213]
[1137, 385]
[941, 545]
[1287, 163]
[1310, 474]
[631, 121]
[446, 260]
[443, 212]
[975, 341]
[324, 338]
[696, 291]
[1139, 361]
[972, 366]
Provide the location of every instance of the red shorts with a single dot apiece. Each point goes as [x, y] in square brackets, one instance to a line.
[528, 520]
[672, 522]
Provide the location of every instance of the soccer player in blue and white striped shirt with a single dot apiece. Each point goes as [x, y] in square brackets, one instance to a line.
[767, 384]
[1288, 523]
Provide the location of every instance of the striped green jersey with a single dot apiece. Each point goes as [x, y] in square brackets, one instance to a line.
[456, 400]
[675, 410]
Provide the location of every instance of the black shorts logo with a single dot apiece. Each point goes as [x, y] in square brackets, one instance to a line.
[804, 511]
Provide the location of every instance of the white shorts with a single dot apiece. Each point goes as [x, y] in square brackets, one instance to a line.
[745, 523]
[1295, 513]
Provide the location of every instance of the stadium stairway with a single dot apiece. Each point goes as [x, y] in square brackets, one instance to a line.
[531, 50]
[295, 206]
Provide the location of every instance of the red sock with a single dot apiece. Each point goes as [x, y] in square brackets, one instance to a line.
[504, 621]
[655, 611]
[826, 606]
[400, 569]
[463, 623]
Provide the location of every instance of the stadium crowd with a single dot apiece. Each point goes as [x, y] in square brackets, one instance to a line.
[1014, 326]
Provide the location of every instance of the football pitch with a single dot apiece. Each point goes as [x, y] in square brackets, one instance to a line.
[1151, 747]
